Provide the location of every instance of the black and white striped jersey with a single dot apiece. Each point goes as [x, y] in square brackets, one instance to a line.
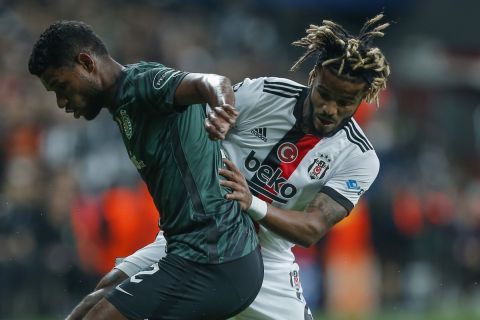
[287, 167]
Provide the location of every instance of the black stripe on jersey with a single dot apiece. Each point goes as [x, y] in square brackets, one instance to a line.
[349, 137]
[187, 176]
[286, 84]
[358, 137]
[355, 137]
[282, 94]
[256, 189]
[335, 195]
[211, 237]
[212, 232]
[281, 88]
[359, 134]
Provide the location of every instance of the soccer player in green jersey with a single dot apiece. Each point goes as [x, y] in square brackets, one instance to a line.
[213, 268]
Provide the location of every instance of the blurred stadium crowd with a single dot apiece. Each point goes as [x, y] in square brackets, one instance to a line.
[71, 201]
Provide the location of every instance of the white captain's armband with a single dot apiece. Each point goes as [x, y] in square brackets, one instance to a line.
[258, 209]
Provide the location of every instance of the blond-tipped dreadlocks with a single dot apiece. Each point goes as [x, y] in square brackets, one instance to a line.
[348, 55]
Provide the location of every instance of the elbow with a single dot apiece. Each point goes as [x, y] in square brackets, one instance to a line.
[312, 234]
[305, 243]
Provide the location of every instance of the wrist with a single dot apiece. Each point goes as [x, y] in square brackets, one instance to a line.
[258, 209]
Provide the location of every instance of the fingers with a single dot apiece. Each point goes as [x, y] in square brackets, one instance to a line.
[238, 192]
[220, 120]
[231, 175]
[213, 132]
[232, 185]
[226, 112]
[220, 124]
[232, 166]
[223, 117]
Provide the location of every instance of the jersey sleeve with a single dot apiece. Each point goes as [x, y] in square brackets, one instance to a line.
[247, 96]
[144, 257]
[156, 88]
[354, 178]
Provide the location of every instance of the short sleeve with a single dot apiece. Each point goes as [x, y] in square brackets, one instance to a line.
[351, 180]
[156, 88]
[247, 96]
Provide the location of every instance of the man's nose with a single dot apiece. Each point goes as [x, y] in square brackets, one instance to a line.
[330, 107]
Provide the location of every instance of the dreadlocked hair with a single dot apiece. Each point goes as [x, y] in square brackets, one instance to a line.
[348, 55]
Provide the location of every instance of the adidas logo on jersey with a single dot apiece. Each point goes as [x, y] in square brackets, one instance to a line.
[260, 133]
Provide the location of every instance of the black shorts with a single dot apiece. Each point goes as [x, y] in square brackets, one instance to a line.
[179, 289]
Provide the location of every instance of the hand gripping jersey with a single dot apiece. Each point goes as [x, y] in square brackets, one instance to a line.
[287, 167]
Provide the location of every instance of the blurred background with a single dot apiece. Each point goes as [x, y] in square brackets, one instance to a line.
[71, 201]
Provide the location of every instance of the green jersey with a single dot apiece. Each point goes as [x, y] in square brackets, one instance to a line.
[171, 151]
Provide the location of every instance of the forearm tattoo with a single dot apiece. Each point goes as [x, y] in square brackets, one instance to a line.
[332, 211]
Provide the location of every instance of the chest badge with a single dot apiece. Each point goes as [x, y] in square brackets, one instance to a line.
[319, 167]
[126, 124]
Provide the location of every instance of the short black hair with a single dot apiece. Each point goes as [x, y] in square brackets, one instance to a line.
[60, 43]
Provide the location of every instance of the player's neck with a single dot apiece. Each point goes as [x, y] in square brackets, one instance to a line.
[306, 124]
[111, 75]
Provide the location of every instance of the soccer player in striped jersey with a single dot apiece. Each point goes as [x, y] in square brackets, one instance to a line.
[213, 268]
[299, 161]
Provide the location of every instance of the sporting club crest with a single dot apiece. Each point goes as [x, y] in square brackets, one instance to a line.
[126, 124]
[319, 167]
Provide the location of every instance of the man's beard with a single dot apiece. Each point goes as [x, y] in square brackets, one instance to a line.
[94, 100]
[309, 122]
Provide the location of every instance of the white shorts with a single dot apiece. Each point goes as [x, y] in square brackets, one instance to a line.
[281, 295]
[143, 257]
[280, 298]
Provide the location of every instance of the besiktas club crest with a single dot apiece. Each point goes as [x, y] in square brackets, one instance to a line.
[319, 167]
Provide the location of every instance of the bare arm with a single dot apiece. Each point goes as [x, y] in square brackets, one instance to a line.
[217, 92]
[308, 227]
[107, 283]
[111, 279]
[304, 228]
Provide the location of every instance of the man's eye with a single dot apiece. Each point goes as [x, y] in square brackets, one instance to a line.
[324, 95]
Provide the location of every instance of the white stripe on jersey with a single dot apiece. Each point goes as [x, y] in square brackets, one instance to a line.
[287, 167]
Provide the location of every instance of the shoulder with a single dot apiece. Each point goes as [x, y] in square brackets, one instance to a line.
[266, 84]
[283, 87]
[353, 135]
[155, 72]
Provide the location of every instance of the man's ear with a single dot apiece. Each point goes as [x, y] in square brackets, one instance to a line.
[86, 61]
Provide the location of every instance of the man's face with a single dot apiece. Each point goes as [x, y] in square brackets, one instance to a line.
[76, 90]
[332, 99]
